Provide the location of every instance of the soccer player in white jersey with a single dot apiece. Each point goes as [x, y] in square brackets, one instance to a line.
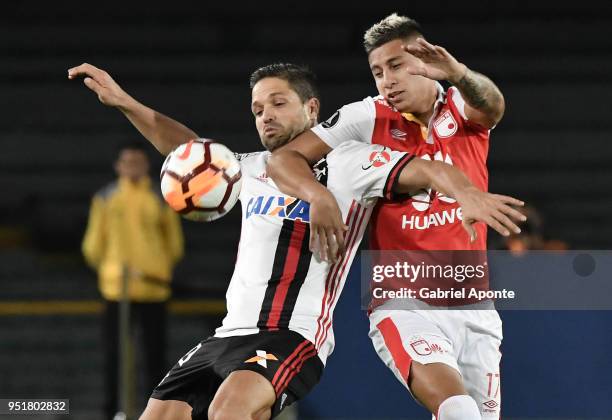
[276, 337]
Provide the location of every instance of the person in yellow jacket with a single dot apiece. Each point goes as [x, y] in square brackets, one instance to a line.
[132, 234]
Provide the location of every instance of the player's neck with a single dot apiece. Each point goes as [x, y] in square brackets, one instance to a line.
[423, 116]
[423, 110]
[426, 109]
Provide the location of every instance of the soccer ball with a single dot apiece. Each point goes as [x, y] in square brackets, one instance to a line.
[201, 180]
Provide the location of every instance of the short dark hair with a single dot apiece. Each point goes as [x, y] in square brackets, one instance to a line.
[390, 28]
[301, 79]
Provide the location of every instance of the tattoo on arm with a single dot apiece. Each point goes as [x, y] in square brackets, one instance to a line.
[480, 92]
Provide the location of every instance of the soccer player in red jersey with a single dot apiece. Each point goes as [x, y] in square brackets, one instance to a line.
[448, 360]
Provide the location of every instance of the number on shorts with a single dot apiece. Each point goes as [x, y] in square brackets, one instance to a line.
[493, 378]
[190, 353]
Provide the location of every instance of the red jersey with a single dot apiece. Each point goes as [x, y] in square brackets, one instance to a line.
[422, 220]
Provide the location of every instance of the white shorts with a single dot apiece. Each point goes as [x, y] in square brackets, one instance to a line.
[466, 340]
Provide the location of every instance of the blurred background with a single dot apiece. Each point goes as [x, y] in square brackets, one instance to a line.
[192, 60]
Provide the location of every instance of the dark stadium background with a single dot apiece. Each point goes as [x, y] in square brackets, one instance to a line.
[191, 60]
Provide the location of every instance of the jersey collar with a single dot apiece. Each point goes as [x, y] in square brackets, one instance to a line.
[425, 127]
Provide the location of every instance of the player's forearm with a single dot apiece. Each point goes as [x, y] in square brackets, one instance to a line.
[448, 180]
[162, 131]
[439, 176]
[293, 175]
[480, 93]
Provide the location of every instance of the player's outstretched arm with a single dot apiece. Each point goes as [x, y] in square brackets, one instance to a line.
[477, 206]
[485, 103]
[290, 168]
[163, 132]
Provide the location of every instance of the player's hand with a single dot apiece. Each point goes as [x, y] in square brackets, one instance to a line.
[327, 228]
[108, 91]
[493, 209]
[434, 62]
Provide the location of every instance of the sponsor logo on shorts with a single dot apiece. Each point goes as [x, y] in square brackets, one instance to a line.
[261, 358]
[436, 348]
[421, 347]
[189, 354]
[490, 406]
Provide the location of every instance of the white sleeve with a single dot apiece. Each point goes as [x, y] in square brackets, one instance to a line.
[369, 171]
[351, 122]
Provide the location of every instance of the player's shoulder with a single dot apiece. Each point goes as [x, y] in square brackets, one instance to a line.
[352, 151]
[383, 108]
[253, 162]
[453, 99]
[350, 114]
[364, 105]
[351, 146]
[381, 101]
[452, 118]
[250, 156]
[367, 101]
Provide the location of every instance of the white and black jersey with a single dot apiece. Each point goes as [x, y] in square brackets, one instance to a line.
[278, 284]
